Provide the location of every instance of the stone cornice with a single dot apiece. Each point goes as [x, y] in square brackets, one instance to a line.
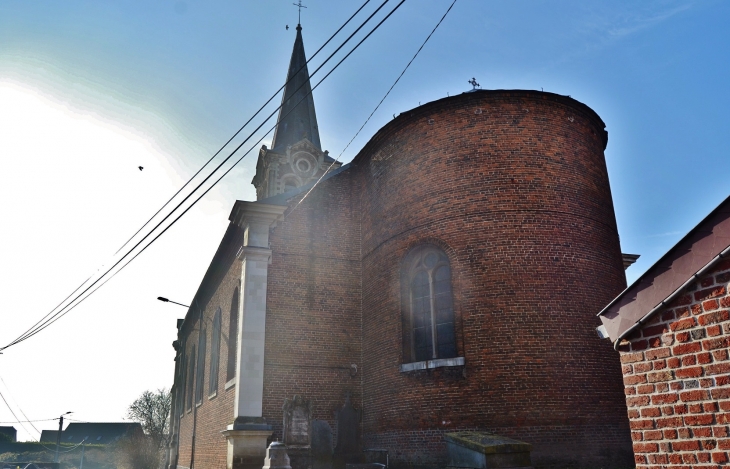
[244, 212]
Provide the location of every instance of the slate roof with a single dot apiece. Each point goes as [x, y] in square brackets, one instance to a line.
[297, 119]
[690, 258]
[94, 433]
[9, 431]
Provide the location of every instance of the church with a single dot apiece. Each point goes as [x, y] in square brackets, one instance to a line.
[445, 280]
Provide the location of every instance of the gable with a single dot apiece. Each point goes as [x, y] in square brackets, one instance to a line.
[689, 259]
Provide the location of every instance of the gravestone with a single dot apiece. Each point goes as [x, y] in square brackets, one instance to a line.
[321, 445]
[348, 435]
[276, 457]
[298, 431]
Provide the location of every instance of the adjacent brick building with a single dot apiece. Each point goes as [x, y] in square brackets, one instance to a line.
[444, 280]
[672, 329]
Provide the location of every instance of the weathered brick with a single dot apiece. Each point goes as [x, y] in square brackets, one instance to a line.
[646, 447]
[641, 424]
[719, 342]
[696, 395]
[709, 293]
[704, 419]
[682, 324]
[669, 398]
[717, 368]
[692, 372]
[632, 357]
[671, 422]
[691, 445]
[692, 347]
[660, 376]
[657, 353]
[713, 318]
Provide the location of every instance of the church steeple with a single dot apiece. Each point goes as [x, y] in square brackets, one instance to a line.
[297, 119]
[295, 157]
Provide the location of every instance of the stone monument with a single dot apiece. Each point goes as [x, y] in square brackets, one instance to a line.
[298, 431]
[480, 450]
[348, 435]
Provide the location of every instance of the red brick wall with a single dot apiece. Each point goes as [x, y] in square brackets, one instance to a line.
[513, 187]
[677, 379]
[313, 323]
[215, 412]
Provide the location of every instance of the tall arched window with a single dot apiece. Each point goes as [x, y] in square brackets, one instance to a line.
[429, 306]
[232, 337]
[215, 345]
[200, 368]
[191, 374]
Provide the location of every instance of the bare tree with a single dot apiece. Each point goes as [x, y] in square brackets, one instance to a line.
[152, 410]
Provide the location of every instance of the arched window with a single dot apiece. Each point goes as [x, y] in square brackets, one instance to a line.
[215, 345]
[200, 368]
[191, 374]
[429, 320]
[232, 337]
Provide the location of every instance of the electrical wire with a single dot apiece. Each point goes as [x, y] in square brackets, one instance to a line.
[376, 107]
[247, 122]
[67, 309]
[213, 185]
[28, 331]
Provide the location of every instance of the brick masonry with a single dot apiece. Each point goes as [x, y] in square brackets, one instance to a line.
[513, 187]
[677, 379]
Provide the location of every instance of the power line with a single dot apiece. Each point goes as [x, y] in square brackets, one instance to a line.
[209, 188]
[376, 107]
[244, 125]
[31, 332]
[62, 313]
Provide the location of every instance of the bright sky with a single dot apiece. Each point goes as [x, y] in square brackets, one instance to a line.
[91, 90]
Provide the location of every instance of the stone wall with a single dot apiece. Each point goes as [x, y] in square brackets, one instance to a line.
[677, 379]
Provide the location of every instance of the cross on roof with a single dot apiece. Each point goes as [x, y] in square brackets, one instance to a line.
[299, 4]
[473, 82]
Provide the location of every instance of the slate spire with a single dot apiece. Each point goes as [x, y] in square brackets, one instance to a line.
[297, 119]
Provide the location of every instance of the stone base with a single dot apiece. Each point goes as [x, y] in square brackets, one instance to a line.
[479, 450]
[246, 447]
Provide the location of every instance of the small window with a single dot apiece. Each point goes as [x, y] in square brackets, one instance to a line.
[232, 337]
[428, 305]
[289, 185]
[98, 438]
[215, 344]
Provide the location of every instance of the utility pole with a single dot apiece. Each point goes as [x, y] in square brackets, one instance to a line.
[83, 450]
[58, 437]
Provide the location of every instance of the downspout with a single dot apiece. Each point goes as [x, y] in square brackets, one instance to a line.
[674, 294]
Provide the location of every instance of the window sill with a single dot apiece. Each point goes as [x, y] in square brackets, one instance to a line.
[230, 384]
[430, 364]
[212, 395]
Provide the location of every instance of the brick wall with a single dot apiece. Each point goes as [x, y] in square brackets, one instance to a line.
[215, 411]
[313, 323]
[512, 185]
[677, 379]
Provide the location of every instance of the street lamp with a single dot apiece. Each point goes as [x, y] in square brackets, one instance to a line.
[58, 437]
[165, 300]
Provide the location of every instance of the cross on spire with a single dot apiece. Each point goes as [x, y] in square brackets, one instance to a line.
[299, 4]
